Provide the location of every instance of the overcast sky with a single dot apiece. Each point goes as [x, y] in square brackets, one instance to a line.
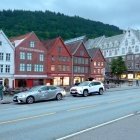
[121, 13]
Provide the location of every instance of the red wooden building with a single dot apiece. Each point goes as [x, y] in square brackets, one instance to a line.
[80, 60]
[58, 62]
[30, 64]
[97, 65]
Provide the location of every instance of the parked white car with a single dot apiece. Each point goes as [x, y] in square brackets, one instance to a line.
[86, 88]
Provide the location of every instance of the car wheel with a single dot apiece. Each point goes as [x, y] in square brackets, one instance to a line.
[59, 97]
[30, 100]
[74, 95]
[101, 91]
[85, 93]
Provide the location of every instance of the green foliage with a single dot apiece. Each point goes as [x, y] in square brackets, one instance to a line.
[118, 66]
[49, 25]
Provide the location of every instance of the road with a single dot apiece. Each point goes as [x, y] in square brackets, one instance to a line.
[57, 119]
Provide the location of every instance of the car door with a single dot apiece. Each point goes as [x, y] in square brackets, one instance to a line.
[43, 93]
[91, 87]
[97, 86]
[51, 91]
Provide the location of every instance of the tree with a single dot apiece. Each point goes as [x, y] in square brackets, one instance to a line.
[118, 67]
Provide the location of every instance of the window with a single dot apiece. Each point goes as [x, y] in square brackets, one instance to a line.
[110, 52]
[41, 68]
[7, 68]
[116, 52]
[86, 60]
[0, 43]
[99, 71]
[81, 53]
[59, 68]
[133, 41]
[102, 63]
[137, 65]
[36, 68]
[98, 63]
[41, 57]
[68, 68]
[79, 60]
[137, 49]
[59, 50]
[52, 58]
[52, 67]
[22, 55]
[1, 56]
[123, 50]
[1, 68]
[7, 56]
[29, 67]
[32, 44]
[94, 63]
[75, 60]
[126, 42]
[22, 67]
[129, 50]
[29, 56]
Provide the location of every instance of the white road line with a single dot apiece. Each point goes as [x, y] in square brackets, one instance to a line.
[91, 128]
[81, 107]
[27, 118]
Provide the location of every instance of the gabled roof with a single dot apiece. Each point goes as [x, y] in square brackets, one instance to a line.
[73, 46]
[92, 43]
[1, 32]
[20, 39]
[49, 43]
[93, 51]
[81, 38]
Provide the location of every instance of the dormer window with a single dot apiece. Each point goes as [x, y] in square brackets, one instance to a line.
[32, 44]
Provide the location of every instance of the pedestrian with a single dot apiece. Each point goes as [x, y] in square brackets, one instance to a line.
[1, 91]
[137, 83]
[77, 83]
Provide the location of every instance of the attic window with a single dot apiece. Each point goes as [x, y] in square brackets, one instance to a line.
[0, 43]
[32, 44]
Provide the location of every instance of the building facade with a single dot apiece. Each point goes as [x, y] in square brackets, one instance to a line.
[30, 64]
[97, 64]
[126, 45]
[80, 60]
[6, 61]
[59, 62]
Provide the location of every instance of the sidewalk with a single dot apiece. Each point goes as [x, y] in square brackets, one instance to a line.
[9, 98]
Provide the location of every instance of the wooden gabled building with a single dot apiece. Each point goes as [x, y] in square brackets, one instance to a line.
[58, 62]
[97, 64]
[30, 64]
[80, 60]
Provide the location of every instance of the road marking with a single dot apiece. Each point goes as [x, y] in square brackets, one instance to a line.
[15, 108]
[114, 101]
[91, 128]
[81, 107]
[27, 118]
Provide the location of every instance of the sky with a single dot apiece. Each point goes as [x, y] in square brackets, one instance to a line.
[121, 13]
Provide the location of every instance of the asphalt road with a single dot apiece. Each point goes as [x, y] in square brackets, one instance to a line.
[57, 119]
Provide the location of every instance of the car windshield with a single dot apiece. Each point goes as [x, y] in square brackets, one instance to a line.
[86, 83]
[36, 88]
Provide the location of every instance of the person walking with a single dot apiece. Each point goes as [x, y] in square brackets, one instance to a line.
[1, 91]
[137, 83]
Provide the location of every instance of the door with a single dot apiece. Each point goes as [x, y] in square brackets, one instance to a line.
[51, 91]
[43, 93]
